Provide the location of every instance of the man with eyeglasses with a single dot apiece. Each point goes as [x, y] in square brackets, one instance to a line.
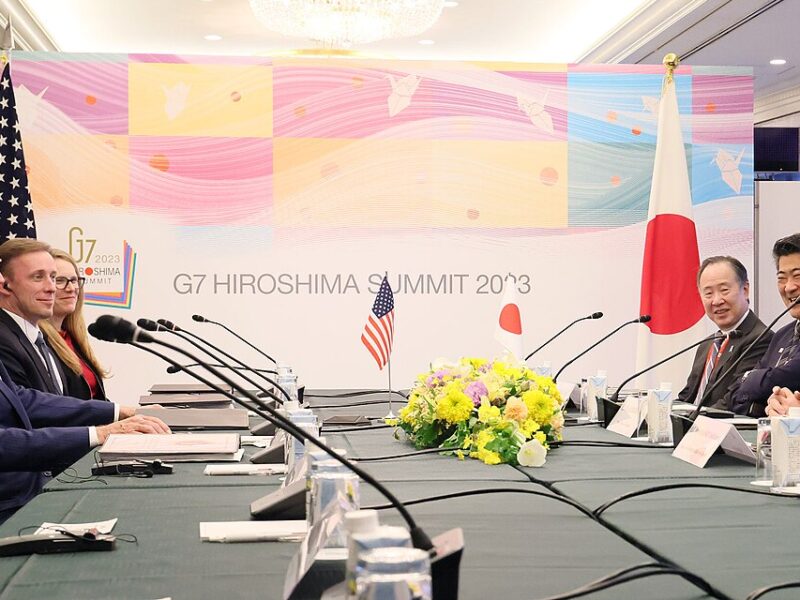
[26, 298]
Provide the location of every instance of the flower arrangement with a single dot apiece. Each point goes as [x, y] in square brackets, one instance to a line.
[495, 411]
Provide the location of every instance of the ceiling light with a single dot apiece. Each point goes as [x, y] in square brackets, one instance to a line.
[426, 42]
[342, 23]
[212, 37]
[777, 61]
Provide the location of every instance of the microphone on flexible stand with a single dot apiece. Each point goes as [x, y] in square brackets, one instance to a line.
[445, 558]
[596, 315]
[731, 334]
[710, 389]
[170, 327]
[172, 369]
[608, 407]
[202, 319]
[641, 319]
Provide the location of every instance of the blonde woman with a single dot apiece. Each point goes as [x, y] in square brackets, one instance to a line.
[66, 333]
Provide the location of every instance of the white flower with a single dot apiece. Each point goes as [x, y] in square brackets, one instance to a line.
[532, 454]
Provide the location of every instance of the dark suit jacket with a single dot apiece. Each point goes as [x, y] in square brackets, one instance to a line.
[40, 432]
[21, 359]
[75, 384]
[750, 329]
[756, 386]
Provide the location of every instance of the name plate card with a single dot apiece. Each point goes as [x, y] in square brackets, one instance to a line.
[705, 436]
[630, 416]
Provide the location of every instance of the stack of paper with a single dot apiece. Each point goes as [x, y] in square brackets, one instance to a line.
[177, 447]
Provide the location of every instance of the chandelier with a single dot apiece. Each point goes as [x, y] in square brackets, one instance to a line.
[342, 23]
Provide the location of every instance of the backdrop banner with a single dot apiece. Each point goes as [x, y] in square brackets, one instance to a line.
[274, 194]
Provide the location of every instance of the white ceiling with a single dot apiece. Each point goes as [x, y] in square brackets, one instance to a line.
[712, 32]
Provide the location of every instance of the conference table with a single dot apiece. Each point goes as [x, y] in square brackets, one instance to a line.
[524, 536]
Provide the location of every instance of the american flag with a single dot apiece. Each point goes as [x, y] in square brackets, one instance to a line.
[379, 329]
[16, 210]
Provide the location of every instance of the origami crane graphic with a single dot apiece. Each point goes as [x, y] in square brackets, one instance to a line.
[729, 168]
[402, 92]
[536, 112]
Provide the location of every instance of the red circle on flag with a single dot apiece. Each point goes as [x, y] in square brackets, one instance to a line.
[510, 320]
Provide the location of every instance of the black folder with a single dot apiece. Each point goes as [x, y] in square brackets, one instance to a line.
[200, 418]
[186, 400]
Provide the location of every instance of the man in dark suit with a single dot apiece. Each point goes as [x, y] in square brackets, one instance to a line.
[767, 389]
[26, 298]
[725, 292]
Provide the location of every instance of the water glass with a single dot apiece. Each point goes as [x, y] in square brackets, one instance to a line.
[764, 452]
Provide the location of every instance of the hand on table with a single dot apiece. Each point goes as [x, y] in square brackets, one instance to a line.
[134, 424]
[781, 400]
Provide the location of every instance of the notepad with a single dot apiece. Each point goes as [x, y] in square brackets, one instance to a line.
[253, 531]
[176, 447]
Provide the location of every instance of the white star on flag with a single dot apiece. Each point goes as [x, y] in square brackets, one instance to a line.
[17, 219]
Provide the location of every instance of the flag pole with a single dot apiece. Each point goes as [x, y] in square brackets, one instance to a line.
[391, 414]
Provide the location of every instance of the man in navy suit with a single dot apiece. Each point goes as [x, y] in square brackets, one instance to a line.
[43, 432]
[767, 389]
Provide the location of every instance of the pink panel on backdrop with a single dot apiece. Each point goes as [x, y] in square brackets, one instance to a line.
[360, 102]
[202, 181]
[730, 98]
[204, 158]
[93, 94]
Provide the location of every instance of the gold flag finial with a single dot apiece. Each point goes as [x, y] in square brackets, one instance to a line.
[671, 62]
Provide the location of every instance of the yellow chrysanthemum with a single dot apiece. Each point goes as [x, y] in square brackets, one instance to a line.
[487, 412]
[539, 435]
[487, 456]
[528, 427]
[455, 406]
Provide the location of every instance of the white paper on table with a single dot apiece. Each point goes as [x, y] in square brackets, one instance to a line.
[629, 418]
[245, 469]
[259, 441]
[78, 528]
[252, 531]
[705, 436]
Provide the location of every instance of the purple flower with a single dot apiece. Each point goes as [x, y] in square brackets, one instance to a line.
[475, 390]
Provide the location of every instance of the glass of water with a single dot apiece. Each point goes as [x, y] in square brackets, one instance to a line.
[764, 453]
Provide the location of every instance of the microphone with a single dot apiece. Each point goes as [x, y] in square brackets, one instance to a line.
[164, 325]
[202, 319]
[595, 315]
[640, 319]
[718, 335]
[118, 330]
[172, 369]
[170, 326]
[710, 389]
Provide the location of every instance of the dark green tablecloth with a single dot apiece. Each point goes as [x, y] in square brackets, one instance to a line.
[517, 545]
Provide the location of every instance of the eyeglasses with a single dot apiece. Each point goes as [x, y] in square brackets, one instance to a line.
[76, 282]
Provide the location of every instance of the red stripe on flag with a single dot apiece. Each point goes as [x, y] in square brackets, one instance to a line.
[371, 350]
[373, 339]
[377, 326]
[669, 275]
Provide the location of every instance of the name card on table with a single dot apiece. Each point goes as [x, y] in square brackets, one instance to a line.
[630, 416]
[705, 436]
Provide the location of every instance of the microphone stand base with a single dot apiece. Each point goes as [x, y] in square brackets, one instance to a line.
[286, 504]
